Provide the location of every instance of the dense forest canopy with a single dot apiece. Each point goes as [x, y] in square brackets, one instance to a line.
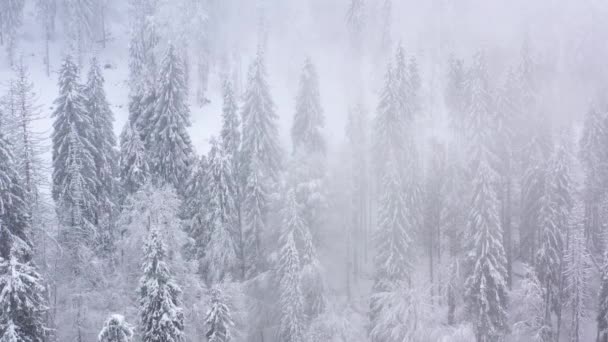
[299, 171]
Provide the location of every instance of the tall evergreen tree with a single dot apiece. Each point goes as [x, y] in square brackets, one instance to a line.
[115, 329]
[221, 252]
[595, 164]
[255, 218]
[219, 318]
[291, 328]
[231, 150]
[168, 142]
[485, 287]
[161, 317]
[260, 132]
[133, 162]
[103, 138]
[73, 150]
[22, 301]
[309, 119]
[577, 271]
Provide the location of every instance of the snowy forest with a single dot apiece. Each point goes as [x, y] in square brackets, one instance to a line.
[303, 171]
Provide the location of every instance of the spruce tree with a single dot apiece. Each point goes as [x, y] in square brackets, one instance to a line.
[594, 160]
[103, 138]
[602, 313]
[73, 148]
[219, 318]
[255, 211]
[168, 142]
[231, 150]
[221, 251]
[578, 275]
[485, 286]
[291, 326]
[22, 301]
[133, 162]
[161, 316]
[115, 329]
[20, 102]
[260, 132]
[195, 210]
[309, 119]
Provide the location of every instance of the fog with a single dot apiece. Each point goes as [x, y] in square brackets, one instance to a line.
[303, 170]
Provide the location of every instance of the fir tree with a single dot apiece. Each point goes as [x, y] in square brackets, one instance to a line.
[219, 318]
[455, 94]
[195, 210]
[73, 148]
[133, 162]
[22, 300]
[577, 272]
[595, 165]
[230, 149]
[161, 317]
[309, 119]
[485, 287]
[291, 328]
[602, 314]
[115, 329]
[255, 211]
[20, 102]
[260, 132]
[221, 252]
[168, 141]
[103, 138]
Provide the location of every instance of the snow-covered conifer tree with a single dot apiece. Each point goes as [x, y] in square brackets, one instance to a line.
[594, 160]
[104, 155]
[221, 252]
[291, 328]
[260, 132]
[219, 318]
[309, 119]
[22, 301]
[578, 274]
[133, 162]
[161, 316]
[168, 141]
[255, 211]
[115, 329]
[485, 286]
[73, 150]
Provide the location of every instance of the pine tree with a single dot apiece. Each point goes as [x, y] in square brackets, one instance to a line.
[22, 302]
[455, 94]
[309, 119]
[221, 252]
[11, 18]
[103, 138]
[168, 141]
[485, 287]
[260, 132]
[133, 162]
[73, 148]
[291, 328]
[161, 317]
[115, 329]
[219, 318]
